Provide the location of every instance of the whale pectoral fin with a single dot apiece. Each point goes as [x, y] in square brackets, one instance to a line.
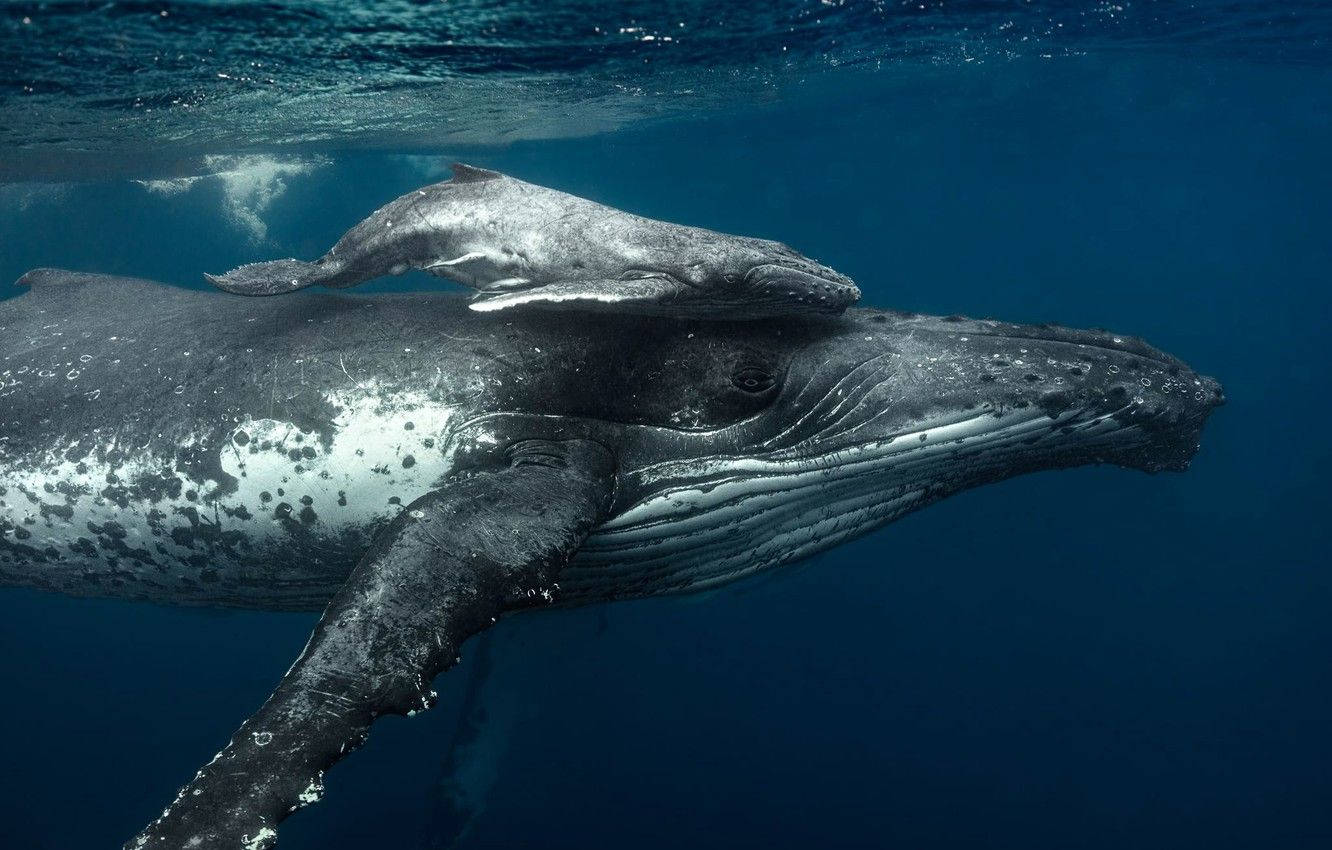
[640, 295]
[450, 563]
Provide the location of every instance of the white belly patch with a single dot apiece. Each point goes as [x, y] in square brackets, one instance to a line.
[140, 517]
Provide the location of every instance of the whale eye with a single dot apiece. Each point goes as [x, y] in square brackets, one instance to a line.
[752, 379]
[730, 277]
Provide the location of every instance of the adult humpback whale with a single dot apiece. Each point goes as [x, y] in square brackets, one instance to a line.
[519, 243]
[420, 469]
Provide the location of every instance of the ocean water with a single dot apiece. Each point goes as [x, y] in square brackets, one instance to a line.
[1093, 658]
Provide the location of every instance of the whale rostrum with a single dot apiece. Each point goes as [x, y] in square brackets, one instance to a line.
[517, 243]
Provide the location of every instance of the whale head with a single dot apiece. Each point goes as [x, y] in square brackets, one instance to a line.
[758, 278]
[860, 419]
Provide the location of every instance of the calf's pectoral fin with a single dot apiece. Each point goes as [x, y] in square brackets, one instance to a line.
[450, 563]
[644, 295]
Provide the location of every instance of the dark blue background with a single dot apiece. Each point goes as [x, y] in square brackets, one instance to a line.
[1091, 658]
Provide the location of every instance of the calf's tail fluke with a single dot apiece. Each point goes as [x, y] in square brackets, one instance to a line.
[271, 278]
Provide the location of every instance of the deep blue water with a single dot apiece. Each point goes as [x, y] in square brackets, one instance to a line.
[1094, 658]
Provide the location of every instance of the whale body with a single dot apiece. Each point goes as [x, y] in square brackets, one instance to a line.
[416, 469]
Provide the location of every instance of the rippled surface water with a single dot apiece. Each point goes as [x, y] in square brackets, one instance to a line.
[1094, 658]
[85, 84]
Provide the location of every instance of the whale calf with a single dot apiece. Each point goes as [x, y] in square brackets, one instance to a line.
[518, 243]
[417, 470]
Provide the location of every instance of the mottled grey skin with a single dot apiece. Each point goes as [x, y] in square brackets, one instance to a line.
[589, 457]
[518, 243]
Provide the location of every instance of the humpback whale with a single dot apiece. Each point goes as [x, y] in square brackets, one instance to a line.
[518, 243]
[416, 470]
